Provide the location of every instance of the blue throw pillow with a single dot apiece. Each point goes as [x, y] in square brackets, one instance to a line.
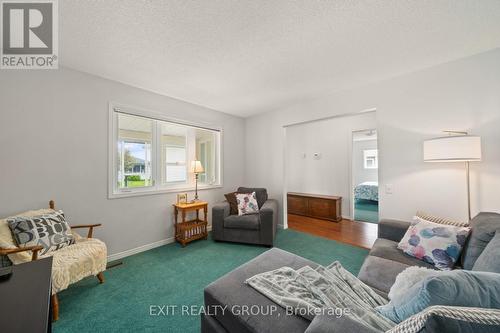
[451, 288]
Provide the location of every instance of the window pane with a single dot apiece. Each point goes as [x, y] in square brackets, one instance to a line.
[370, 157]
[176, 170]
[134, 151]
[174, 153]
[206, 154]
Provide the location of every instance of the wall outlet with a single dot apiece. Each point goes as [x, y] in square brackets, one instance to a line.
[388, 189]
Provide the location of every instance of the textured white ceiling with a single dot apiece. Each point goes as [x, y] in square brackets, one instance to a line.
[246, 57]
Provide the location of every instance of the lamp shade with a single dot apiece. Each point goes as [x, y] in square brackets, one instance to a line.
[460, 148]
[196, 167]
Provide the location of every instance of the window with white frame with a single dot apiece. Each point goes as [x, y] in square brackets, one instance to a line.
[151, 154]
[370, 158]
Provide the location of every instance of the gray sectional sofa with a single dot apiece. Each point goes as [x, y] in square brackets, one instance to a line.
[379, 271]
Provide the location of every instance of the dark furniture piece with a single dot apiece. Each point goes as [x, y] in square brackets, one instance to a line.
[25, 298]
[252, 228]
[188, 231]
[325, 207]
[379, 271]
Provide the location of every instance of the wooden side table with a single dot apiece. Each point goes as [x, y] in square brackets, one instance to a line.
[188, 231]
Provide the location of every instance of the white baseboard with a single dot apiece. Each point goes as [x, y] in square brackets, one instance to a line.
[143, 248]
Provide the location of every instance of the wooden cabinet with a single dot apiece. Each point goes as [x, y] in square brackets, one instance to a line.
[324, 207]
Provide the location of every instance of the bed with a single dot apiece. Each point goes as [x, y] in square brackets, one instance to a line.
[366, 191]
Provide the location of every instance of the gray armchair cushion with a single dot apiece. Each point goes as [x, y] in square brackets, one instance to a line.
[261, 194]
[489, 260]
[326, 323]
[484, 226]
[250, 221]
[392, 229]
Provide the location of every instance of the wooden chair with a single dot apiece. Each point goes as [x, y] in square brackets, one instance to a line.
[91, 252]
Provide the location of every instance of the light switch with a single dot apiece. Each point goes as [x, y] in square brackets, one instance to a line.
[388, 188]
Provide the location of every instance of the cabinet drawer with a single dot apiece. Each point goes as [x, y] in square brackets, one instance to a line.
[297, 205]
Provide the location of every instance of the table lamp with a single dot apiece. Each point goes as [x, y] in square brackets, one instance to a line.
[196, 168]
[457, 147]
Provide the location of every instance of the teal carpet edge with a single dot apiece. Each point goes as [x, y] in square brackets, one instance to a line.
[176, 276]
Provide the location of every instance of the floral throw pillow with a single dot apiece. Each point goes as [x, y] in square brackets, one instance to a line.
[437, 244]
[247, 203]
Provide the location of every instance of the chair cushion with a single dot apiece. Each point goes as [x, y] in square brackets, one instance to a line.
[261, 194]
[388, 249]
[50, 230]
[233, 204]
[8, 242]
[88, 256]
[489, 260]
[435, 243]
[250, 221]
[247, 203]
[484, 226]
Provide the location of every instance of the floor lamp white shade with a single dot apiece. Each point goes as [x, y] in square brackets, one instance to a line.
[460, 148]
[457, 148]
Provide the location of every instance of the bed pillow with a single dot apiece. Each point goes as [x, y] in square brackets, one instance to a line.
[450, 288]
[247, 203]
[51, 231]
[437, 244]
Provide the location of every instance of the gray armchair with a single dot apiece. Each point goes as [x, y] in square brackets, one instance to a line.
[253, 228]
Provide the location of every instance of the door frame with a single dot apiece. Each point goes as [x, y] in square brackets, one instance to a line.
[284, 157]
[351, 165]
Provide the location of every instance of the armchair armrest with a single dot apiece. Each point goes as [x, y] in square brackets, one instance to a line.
[268, 221]
[34, 249]
[90, 226]
[392, 229]
[220, 211]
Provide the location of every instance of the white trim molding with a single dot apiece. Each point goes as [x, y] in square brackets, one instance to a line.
[144, 248]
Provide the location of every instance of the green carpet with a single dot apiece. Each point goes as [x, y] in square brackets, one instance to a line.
[172, 275]
[366, 210]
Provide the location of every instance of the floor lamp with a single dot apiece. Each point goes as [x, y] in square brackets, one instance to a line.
[457, 147]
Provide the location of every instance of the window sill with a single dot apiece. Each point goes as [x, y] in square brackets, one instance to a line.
[143, 192]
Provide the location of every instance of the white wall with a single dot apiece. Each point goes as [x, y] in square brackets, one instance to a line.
[53, 145]
[464, 94]
[359, 173]
[330, 174]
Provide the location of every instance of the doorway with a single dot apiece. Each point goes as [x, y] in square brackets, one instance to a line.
[365, 176]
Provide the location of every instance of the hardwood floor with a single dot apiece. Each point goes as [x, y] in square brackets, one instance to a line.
[360, 234]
